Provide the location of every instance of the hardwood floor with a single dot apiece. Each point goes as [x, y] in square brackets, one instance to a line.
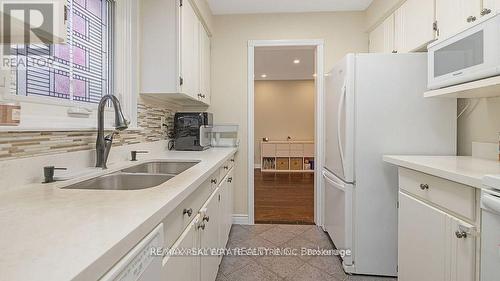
[286, 198]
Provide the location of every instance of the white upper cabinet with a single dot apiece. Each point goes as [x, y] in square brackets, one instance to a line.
[382, 37]
[159, 47]
[455, 15]
[205, 60]
[414, 25]
[490, 7]
[175, 52]
[190, 54]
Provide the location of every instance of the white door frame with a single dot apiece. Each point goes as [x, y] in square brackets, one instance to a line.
[319, 122]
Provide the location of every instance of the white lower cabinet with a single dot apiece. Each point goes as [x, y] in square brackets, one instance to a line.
[209, 237]
[225, 208]
[184, 267]
[433, 245]
[209, 230]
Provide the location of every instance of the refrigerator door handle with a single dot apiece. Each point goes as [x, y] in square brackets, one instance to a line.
[333, 182]
[339, 116]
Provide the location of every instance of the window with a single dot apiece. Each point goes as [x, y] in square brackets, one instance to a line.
[98, 57]
[79, 70]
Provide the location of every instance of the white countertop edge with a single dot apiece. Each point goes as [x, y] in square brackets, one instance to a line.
[438, 172]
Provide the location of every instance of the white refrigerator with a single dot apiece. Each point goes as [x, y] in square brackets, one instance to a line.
[374, 106]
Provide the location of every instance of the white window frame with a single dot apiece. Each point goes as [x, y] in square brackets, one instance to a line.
[51, 114]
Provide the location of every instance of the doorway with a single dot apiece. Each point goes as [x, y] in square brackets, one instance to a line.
[285, 131]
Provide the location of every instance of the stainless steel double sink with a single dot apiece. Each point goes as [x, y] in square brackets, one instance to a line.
[141, 176]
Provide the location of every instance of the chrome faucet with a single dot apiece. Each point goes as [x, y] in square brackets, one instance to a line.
[103, 143]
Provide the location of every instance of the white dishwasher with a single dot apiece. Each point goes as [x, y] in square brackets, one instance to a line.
[139, 264]
[490, 234]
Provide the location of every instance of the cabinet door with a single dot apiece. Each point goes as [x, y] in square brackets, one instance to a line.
[189, 49]
[463, 250]
[382, 37]
[226, 204]
[184, 268]
[414, 25]
[490, 7]
[204, 65]
[209, 237]
[422, 245]
[455, 15]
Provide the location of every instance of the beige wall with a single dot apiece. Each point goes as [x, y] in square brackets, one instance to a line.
[480, 123]
[343, 32]
[282, 109]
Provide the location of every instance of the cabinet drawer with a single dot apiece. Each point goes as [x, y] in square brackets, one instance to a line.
[283, 153]
[453, 196]
[296, 153]
[282, 146]
[232, 161]
[224, 169]
[296, 146]
[309, 149]
[268, 149]
[175, 223]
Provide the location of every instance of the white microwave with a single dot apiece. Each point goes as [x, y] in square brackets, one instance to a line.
[470, 55]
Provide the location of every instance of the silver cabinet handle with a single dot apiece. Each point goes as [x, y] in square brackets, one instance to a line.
[471, 19]
[232, 160]
[424, 186]
[226, 167]
[206, 218]
[201, 226]
[485, 12]
[213, 180]
[189, 212]
[460, 234]
[229, 179]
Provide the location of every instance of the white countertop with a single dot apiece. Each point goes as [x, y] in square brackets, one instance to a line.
[48, 233]
[462, 169]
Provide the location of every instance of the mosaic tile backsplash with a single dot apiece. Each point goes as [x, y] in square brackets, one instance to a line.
[29, 144]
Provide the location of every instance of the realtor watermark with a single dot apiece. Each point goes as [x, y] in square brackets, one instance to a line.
[257, 251]
[30, 24]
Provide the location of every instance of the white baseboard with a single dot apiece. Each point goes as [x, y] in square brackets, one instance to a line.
[257, 166]
[240, 219]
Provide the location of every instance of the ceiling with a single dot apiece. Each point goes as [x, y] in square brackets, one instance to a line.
[220, 7]
[277, 63]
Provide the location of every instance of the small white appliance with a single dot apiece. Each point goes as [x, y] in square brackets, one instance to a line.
[490, 229]
[139, 264]
[375, 106]
[467, 56]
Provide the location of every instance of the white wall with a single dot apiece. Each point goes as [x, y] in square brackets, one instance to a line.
[282, 109]
[480, 123]
[343, 32]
